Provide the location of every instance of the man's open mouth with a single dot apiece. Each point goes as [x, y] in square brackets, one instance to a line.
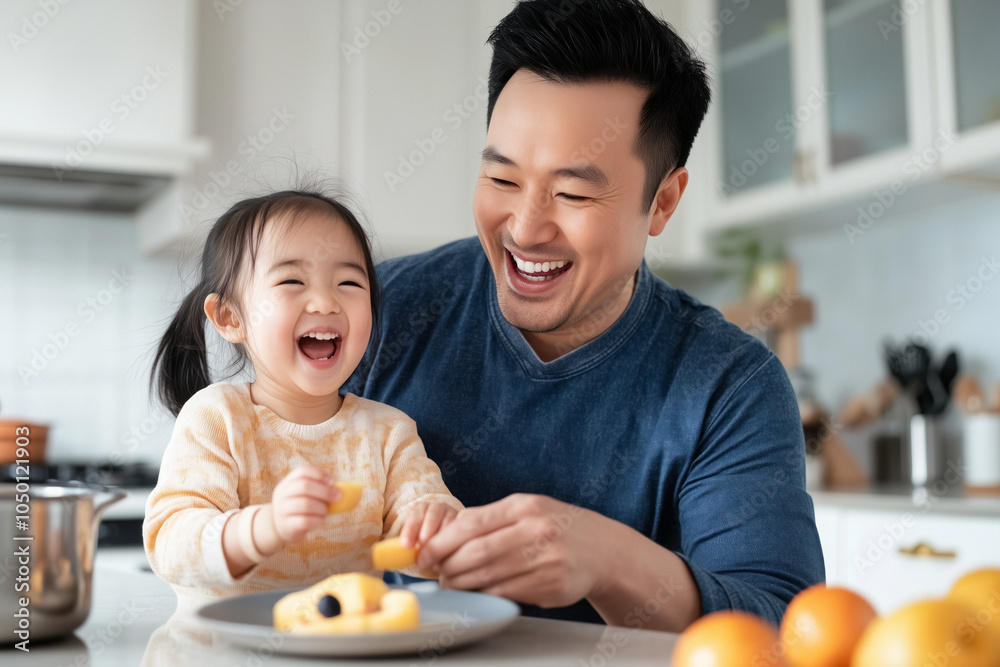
[319, 346]
[539, 272]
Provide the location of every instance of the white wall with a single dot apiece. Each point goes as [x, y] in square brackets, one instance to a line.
[82, 312]
[891, 283]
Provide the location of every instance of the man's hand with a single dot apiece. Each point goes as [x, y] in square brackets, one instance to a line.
[527, 548]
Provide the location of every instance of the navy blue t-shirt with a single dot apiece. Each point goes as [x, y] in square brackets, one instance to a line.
[673, 421]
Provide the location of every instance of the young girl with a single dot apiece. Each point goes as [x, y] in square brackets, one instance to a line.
[241, 504]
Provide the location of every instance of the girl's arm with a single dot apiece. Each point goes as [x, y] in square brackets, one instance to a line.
[298, 505]
[194, 498]
[413, 481]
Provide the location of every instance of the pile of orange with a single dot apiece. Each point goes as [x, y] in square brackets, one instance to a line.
[835, 627]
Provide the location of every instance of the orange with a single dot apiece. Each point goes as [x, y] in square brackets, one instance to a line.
[980, 589]
[927, 633]
[823, 624]
[729, 639]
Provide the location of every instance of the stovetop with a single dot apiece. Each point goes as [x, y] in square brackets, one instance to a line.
[127, 475]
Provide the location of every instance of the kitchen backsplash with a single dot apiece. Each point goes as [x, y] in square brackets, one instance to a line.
[933, 276]
[82, 312]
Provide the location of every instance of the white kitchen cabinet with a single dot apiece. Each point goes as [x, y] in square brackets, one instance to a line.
[840, 111]
[820, 100]
[894, 552]
[968, 98]
[828, 521]
[106, 88]
[67, 67]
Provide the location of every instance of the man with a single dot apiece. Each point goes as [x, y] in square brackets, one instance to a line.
[626, 454]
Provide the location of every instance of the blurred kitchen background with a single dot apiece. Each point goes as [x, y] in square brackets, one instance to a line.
[844, 202]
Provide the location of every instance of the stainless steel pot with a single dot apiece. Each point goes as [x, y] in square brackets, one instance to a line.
[45, 581]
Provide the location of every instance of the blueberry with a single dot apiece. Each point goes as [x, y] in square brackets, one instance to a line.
[329, 606]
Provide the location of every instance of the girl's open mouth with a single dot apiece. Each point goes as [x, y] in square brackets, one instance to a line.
[319, 346]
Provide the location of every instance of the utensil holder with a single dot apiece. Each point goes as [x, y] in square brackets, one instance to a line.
[981, 451]
[926, 450]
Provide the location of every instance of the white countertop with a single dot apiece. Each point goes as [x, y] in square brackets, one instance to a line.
[132, 623]
[936, 500]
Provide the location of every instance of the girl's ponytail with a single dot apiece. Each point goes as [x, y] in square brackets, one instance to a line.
[180, 368]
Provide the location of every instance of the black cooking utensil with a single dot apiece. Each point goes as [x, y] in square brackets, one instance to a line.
[949, 371]
[941, 382]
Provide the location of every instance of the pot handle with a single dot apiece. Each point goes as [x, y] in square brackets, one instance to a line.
[104, 498]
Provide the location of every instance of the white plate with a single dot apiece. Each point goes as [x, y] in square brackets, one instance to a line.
[447, 619]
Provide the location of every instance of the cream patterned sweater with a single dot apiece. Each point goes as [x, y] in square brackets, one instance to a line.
[227, 453]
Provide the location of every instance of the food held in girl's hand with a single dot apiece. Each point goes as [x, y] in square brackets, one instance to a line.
[347, 604]
[350, 495]
[390, 554]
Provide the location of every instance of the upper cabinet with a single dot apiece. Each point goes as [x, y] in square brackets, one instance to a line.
[820, 104]
[967, 56]
[756, 95]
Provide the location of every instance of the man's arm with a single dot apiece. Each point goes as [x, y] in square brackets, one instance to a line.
[748, 537]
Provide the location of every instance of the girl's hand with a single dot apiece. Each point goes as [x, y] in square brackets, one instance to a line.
[424, 520]
[299, 502]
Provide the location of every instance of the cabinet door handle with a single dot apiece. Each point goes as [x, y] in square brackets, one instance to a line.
[924, 550]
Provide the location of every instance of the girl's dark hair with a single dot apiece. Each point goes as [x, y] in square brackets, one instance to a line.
[180, 368]
[582, 41]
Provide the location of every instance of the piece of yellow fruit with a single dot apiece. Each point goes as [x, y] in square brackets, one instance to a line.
[390, 554]
[400, 612]
[357, 593]
[350, 495]
[366, 605]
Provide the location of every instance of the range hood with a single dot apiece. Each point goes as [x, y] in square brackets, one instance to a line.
[118, 192]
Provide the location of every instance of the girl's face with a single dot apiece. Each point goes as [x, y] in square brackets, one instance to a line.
[307, 311]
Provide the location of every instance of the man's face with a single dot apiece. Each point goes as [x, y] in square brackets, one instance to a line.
[558, 205]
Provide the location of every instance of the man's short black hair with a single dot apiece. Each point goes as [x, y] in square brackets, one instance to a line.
[578, 41]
